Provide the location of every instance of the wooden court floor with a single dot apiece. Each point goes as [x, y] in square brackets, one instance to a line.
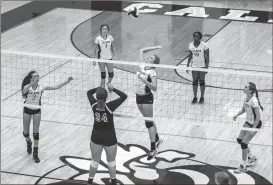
[189, 153]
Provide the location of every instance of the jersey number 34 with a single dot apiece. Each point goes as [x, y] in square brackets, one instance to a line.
[101, 118]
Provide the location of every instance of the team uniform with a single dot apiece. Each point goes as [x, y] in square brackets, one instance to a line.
[250, 114]
[198, 58]
[104, 47]
[144, 94]
[104, 130]
[33, 98]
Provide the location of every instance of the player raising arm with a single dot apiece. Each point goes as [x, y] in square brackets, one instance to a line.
[32, 93]
[104, 134]
[144, 97]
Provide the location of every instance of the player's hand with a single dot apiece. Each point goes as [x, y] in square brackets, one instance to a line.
[234, 118]
[94, 63]
[187, 70]
[69, 79]
[110, 86]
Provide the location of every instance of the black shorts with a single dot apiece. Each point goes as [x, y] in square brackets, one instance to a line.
[258, 126]
[32, 111]
[199, 75]
[145, 99]
[105, 138]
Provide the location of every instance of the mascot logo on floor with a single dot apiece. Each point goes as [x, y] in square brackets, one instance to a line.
[169, 167]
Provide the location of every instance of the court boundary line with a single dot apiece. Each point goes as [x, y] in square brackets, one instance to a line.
[130, 130]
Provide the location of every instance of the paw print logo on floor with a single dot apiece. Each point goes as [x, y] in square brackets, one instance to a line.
[169, 167]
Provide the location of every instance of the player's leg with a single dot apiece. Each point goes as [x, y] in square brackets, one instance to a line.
[146, 110]
[96, 151]
[110, 69]
[246, 138]
[36, 127]
[194, 85]
[202, 83]
[111, 153]
[26, 126]
[103, 74]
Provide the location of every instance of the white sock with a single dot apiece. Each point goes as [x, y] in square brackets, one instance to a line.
[249, 155]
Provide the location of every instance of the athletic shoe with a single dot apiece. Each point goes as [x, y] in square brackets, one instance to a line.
[35, 155]
[194, 100]
[251, 161]
[152, 154]
[29, 147]
[201, 101]
[241, 169]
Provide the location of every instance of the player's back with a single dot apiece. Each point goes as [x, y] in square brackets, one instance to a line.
[103, 119]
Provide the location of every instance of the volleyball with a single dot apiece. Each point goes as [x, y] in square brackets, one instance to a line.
[134, 12]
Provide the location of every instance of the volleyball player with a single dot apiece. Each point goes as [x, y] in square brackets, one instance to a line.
[32, 93]
[103, 134]
[105, 50]
[144, 97]
[198, 57]
[252, 108]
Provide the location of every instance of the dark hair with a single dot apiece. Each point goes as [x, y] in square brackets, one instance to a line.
[253, 89]
[199, 33]
[101, 96]
[101, 26]
[157, 59]
[26, 81]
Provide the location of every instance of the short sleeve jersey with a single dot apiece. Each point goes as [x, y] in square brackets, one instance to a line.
[198, 54]
[141, 88]
[249, 105]
[104, 47]
[34, 96]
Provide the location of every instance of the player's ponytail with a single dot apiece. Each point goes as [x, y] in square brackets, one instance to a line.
[26, 81]
[101, 96]
[253, 89]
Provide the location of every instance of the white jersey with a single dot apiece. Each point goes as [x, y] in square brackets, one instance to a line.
[198, 54]
[105, 46]
[248, 105]
[146, 74]
[34, 96]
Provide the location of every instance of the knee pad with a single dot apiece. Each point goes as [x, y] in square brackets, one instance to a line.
[149, 124]
[94, 164]
[25, 135]
[244, 146]
[36, 136]
[202, 83]
[103, 75]
[111, 75]
[239, 141]
[111, 163]
[195, 82]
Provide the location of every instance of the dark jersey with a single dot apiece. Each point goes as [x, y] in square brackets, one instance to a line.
[103, 120]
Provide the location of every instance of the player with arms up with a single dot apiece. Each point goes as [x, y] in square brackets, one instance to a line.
[144, 97]
[32, 93]
[252, 108]
[198, 57]
[103, 134]
[104, 49]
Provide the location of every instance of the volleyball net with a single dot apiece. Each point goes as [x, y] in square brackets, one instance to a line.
[172, 100]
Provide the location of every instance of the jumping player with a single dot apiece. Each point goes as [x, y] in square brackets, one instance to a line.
[105, 50]
[32, 93]
[144, 96]
[252, 108]
[103, 134]
[198, 57]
